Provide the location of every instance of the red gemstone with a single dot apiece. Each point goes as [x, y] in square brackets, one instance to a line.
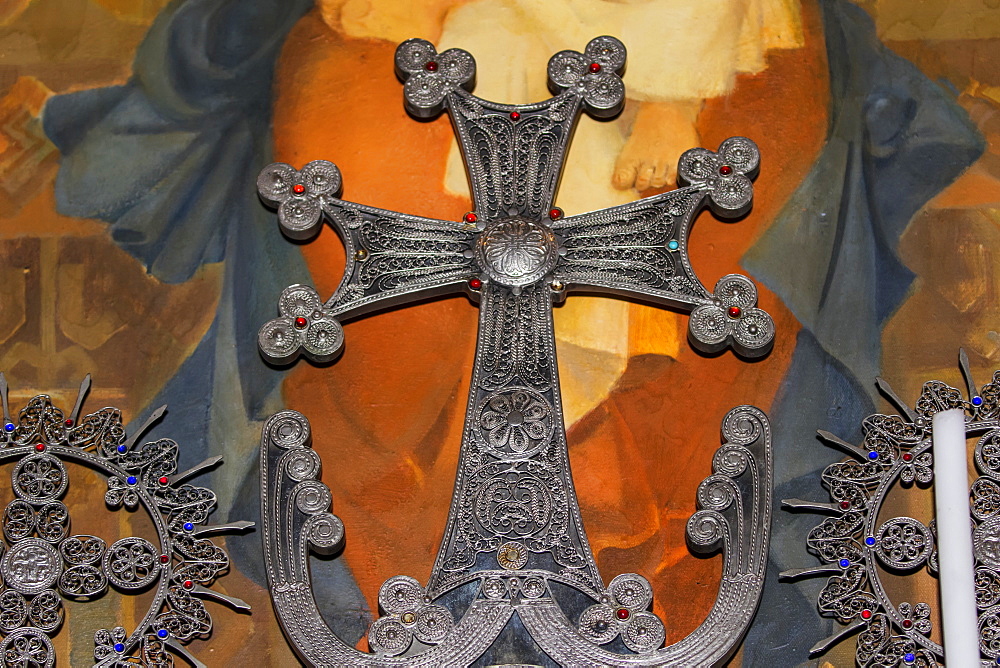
[164, 558]
[69, 422]
[555, 213]
[725, 170]
[907, 623]
[188, 584]
[475, 283]
[866, 614]
[907, 457]
[594, 68]
[164, 480]
[298, 189]
[844, 505]
[300, 322]
[470, 218]
[40, 447]
[622, 613]
[734, 311]
[514, 115]
[431, 66]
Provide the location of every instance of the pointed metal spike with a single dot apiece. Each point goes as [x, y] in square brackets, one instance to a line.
[240, 525]
[825, 644]
[801, 504]
[196, 469]
[886, 389]
[232, 601]
[80, 396]
[3, 397]
[154, 416]
[963, 364]
[795, 573]
[182, 651]
[842, 444]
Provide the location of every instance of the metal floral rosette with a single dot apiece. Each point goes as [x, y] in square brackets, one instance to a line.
[42, 561]
[859, 543]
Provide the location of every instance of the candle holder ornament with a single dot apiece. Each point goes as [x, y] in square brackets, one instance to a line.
[856, 544]
[515, 581]
[42, 562]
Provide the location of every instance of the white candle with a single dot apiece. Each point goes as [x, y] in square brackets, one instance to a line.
[954, 535]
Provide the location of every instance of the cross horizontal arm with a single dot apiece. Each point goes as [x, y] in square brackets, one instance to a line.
[392, 258]
[640, 250]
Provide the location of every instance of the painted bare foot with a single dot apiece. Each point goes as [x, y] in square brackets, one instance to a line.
[660, 133]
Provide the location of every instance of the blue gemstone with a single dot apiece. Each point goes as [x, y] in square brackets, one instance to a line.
[119, 647]
[869, 541]
[131, 480]
[672, 244]
[163, 633]
[122, 449]
[872, 455]
[188, 526]
[9, 426]
[844, 563]
[977, 401]
[909, 658]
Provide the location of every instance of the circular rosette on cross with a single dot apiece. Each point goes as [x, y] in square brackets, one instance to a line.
[298, 194]
[303, 327]
[623, 611]
[726, 175]
[428, 76]
[594, 75]
[732, 319]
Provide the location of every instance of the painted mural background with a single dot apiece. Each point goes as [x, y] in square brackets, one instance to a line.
[132, 246]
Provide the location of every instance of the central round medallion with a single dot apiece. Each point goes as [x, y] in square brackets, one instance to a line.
[516, 251]
[31, 566]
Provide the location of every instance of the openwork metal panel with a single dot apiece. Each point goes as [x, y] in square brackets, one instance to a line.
[43, 562]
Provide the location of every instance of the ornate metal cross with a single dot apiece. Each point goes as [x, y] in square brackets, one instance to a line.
[515, 541]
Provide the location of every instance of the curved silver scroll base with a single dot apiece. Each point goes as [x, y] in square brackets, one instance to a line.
[734, 515]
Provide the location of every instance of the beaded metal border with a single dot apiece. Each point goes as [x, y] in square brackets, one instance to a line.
[41, 561]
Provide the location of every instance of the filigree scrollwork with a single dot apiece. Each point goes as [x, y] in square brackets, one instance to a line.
[407, 615]
[514, 526]
[299, 194]
[594, 75]
[624, 614]
[515, 423]
[898, 448]
[732, 319]
[304, 326]
[725, 174]
[41, 563]
[903, 543]
[428, 76]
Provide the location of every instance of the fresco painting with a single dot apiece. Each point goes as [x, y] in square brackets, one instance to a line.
[134, 248]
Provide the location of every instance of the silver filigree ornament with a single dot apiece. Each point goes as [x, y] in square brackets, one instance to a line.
[515, 555]
[42, 562]
[857, 544]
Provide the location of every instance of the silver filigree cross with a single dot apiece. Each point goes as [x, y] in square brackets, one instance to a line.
[514, 542]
